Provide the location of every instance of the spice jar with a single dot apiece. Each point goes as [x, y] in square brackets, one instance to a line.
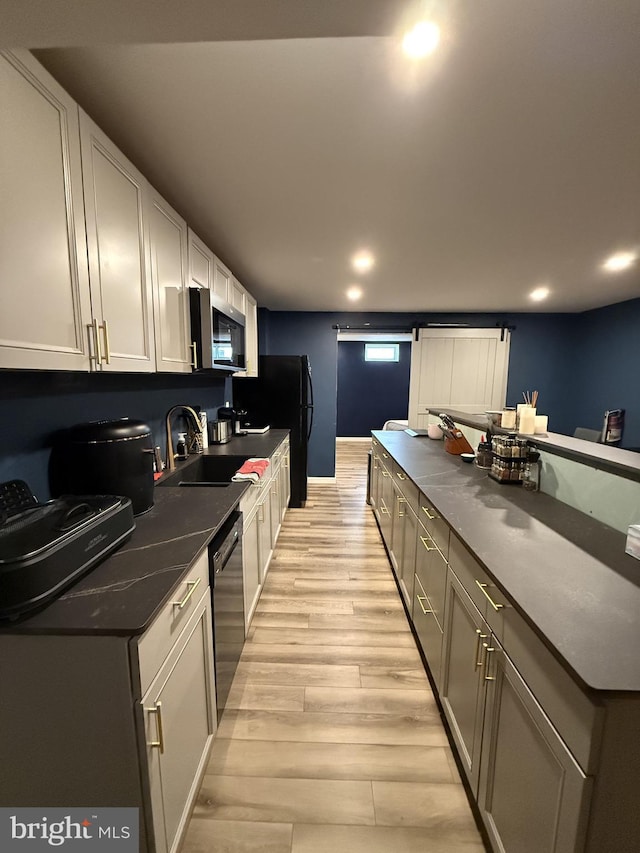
[484, 456]
[531, 476]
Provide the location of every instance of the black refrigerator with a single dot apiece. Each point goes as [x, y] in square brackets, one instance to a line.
[281, 397]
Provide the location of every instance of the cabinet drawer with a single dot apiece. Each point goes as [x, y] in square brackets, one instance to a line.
[435, 526]
[408, 488]
[475, 580]
[157, 640]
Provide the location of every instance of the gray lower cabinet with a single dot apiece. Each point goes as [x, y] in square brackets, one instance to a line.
[178, 733]
[533, 797]
[462, 688]
[429, 598]
[385, 504]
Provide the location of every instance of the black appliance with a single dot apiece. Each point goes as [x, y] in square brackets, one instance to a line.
[104, 458]
[227, 590]
[282, 397]
[44, 548]
[217, 332]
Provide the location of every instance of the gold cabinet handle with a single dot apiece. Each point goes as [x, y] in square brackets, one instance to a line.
[383, 508]
[478, 657]
[425, 541]
[400, 476]
[194, 350]
[385, 456]
[191, 588]
[385, 473]
[488, 650]
[96, 341]
[483, 587]
[107, 348]
[428, 514]
[157, 710]
[422, 598]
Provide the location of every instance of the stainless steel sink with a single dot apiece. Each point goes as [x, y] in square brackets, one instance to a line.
[205, 471]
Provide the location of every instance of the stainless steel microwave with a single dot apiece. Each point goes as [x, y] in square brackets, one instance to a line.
[217, 332]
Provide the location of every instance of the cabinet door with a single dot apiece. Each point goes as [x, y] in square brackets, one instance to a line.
[221, 280]
[274, 500]
[466, 639]
[45, 306]
[201, 263]
[532, 796]
[117, 244]
[427, 628]
[237, 295]
[387, 497]
[285, 483]
[251, 566]
[251, 335]
[264, 532]
[178, 732]
[408, 559]
[170, 296]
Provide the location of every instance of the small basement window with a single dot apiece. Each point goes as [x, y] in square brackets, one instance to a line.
[382, 352]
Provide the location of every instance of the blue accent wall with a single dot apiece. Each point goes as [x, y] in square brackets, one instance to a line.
[34, 405]
[369, 392]
[608, 340]
[581, 364]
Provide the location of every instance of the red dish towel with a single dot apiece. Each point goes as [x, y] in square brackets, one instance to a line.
[252, 469]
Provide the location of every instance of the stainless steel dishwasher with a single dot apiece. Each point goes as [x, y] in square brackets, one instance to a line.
[225, 566]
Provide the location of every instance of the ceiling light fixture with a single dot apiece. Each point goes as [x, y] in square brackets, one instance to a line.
[362, 261]
[539, 294]
[620, 261]
[421, 40]
[354, 293]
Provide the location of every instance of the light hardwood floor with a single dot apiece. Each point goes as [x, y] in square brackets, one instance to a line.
[331, 740]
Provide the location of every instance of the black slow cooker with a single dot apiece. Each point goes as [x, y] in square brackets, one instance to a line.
[104, 458]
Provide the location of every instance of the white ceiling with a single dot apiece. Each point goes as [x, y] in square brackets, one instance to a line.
[508, 160]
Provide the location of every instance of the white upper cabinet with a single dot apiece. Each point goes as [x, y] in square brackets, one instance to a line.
[222, 279]
[251, 335]
[44, 288]
[117, 243]
[236, 295]
[170, 293]
[201, 263]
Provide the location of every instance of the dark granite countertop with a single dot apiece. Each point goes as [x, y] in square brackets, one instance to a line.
[123, 594]
[566, 573]
[605, 457]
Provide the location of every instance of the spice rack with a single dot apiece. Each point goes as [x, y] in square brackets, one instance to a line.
[509, 459]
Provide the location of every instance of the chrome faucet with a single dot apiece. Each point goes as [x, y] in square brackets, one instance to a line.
[171, 462]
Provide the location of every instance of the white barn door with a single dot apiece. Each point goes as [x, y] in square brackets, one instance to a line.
[463, 369]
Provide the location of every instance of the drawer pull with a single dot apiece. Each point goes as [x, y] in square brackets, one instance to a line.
[383, 508]
[385, 473]
[194, 349]
[400, 476]
[483, 587]
[159, 744]
[428, 514]
[425, 541]
[478, 657]
[422, 598]
[191, 588]
[488, 650]
[384, 455]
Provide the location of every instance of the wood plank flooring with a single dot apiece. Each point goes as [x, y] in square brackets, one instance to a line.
[331, 740]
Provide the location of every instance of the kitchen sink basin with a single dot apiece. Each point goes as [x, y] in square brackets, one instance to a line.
[205, 471]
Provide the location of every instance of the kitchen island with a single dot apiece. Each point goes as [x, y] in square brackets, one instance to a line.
[108, 695]
[526, 613]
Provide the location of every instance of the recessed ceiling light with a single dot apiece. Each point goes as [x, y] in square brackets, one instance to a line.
[354, 293]
[539, 294]
[362, 261]
[620, 261]
[421, 40]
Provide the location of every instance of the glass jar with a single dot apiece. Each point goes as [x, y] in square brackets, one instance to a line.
[531, 476]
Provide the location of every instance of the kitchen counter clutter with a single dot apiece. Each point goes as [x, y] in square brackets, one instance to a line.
[526, 613]
[109, 693]
[123, 594]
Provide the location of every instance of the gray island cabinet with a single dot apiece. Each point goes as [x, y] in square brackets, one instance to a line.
[526, 613]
